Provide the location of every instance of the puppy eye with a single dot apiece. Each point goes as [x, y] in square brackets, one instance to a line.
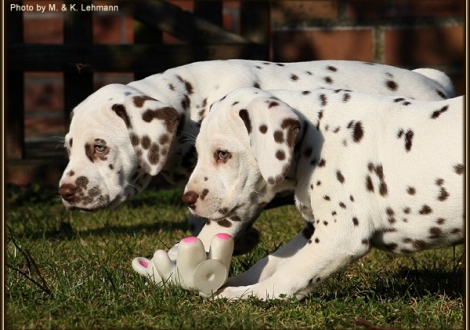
[223, 154]
[100, 148]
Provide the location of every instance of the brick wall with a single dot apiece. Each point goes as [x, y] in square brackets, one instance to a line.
[408, 34]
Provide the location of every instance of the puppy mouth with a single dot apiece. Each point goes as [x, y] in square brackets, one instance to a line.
[87, 210]
[229, 213]
[100, 206]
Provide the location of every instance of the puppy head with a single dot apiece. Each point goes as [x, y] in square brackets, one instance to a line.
[245, 149]
[118, 139]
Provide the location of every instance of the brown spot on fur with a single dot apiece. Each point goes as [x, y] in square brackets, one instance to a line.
[411, 191]
[437, 113]
[89, 152]
[140, 99]
[408, 140]
[224, 223]
[358, 132]
[323, 100]
[369, 185]
[331, 68]
[435, 232]
[204, 194]
[235, 218]
[243, 113]
[273, 104]
[278, 136]
[146, 142]
[340, 177]
[81, 181]
[168, 115]
[425, 210]
[458, 168]
[120, 110]
[135, 140]
[443, 194]
[293, 126]
[164, 139]
[308, 230]
[153, 154]
[391, 85]
[280, 155]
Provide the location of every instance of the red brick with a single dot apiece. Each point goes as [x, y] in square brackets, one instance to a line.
[323, 44]
[169, 39]
[424, 46]
[231, 5]
[288, 11]
[105, 78]
[107, 29]
[379, 9]
[43, 30]
[129, 29]
[43, 92]
[37, 127]
[185, 5]
[230, 21]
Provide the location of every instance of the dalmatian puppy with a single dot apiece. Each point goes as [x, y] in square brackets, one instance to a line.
[122, 135]
[367, 170]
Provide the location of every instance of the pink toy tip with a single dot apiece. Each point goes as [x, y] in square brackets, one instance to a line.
[144, 263]
[189, 240]
[223, 236]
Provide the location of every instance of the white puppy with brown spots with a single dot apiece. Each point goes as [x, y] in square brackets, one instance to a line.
[122, 135]
[368, 171]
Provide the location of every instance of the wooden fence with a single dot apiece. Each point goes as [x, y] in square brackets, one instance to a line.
[78, 58]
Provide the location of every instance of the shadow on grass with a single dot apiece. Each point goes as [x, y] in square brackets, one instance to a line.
[66, 232]
[406, 285]
[44, 198]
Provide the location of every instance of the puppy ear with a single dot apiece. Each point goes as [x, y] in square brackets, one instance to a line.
[272, 127]
[152, 127]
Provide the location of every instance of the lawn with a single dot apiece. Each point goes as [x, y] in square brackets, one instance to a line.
[79, 274]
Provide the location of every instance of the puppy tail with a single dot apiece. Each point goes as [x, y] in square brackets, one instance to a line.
[440, 77]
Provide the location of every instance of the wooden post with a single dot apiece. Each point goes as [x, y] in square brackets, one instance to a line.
[255, 24]
[14, 99]
[145, 34]
[78, 77]
[211, 11]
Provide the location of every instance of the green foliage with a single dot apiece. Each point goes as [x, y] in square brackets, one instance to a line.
[81, 268]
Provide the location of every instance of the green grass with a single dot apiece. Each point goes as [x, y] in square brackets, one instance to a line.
[86, 281]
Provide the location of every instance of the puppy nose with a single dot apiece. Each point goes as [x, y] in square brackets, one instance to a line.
[190, 199]
[67, 191]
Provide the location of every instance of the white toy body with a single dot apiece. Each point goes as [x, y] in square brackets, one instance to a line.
[193, 269]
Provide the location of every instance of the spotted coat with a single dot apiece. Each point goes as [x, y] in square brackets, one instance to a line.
[122, 135]
[356, 182]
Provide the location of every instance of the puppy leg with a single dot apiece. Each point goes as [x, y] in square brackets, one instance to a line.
[245, 237]
[265, 267]
[300, 266]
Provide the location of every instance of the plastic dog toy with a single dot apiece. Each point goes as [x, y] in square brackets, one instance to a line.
[190, 267]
